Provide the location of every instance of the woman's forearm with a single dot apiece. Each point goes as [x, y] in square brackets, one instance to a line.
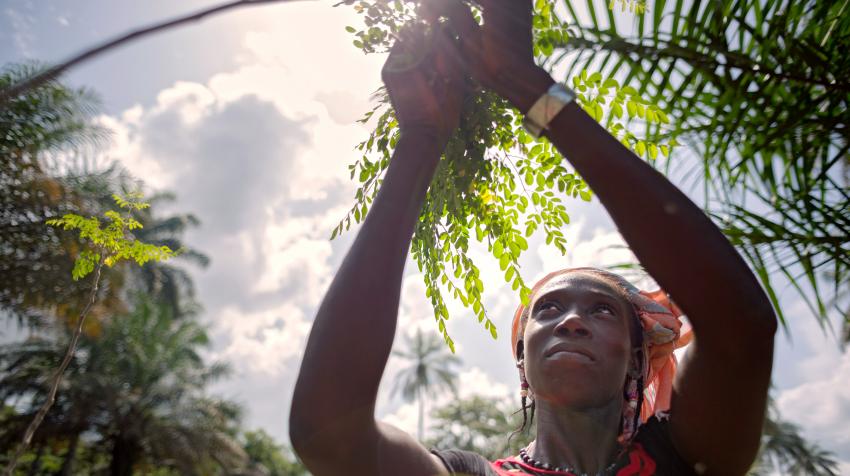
[353, 330]
[673, 238]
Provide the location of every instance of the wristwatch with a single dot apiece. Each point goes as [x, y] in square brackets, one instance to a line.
[546, 107]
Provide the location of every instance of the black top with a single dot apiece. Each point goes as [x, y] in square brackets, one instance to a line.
[651, 453]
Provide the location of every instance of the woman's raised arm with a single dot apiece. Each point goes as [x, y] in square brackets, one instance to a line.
[332, 424]
[720, 392]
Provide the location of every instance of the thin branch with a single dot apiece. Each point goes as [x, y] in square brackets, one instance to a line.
[57, 377]
[54, 72]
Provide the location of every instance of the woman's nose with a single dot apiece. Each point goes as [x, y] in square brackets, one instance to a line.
[572, 325]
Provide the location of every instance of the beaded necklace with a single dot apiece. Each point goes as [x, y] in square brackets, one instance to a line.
[523, 454]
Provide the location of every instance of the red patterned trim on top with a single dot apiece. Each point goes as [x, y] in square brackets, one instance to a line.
[640, 464]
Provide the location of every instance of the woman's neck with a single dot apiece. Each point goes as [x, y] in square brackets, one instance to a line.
[584, 440]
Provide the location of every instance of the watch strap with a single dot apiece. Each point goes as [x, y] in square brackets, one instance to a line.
[546, 107]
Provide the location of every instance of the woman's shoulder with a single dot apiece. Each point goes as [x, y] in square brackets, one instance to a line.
[465, 463]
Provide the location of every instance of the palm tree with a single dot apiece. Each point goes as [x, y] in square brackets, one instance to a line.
[429, 372]
[784, 450]
[36, 186]
[759, 89]
[139, 387]
[33, 259]
[484, 425]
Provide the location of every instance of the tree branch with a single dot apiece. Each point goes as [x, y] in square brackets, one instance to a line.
[57, 377]
[54, 72]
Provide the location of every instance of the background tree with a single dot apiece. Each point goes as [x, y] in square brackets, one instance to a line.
[267, 458]
[486, 425]
[36, 186]
[429, 371]
[784, 450]
[140, 387]
[758, 89]
[35, 262]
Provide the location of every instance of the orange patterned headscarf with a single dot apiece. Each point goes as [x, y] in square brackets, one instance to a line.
[662, 334]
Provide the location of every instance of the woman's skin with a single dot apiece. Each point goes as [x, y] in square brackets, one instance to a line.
[720, 391]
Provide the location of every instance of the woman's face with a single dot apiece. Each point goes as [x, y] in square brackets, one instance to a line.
[576, 343]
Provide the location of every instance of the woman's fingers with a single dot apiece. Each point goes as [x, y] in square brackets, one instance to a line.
[409, 51]
[461, 19]
[469, 31]
[449, 59]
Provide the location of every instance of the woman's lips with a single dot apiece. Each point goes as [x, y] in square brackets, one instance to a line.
[567, 354]
[567, 351]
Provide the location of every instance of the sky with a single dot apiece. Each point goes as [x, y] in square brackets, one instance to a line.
[249, 117]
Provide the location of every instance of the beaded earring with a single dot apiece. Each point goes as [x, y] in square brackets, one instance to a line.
[631, 406]
[629, 410]
[525, 395]
[523, 383]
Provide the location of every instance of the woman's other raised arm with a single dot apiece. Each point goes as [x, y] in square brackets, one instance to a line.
[332, 420]
[720, 392]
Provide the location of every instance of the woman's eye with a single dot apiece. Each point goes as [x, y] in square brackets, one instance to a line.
[604, 308]
[547, 306]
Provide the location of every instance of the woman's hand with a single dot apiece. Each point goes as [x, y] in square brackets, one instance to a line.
[424, 75]
[499, 53]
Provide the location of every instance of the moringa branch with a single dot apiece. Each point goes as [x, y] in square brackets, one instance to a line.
[54, 72]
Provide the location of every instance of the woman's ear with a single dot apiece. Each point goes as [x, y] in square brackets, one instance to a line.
[636, 363]
[519, 351]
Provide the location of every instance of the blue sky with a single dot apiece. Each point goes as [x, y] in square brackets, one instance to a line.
[249, 118]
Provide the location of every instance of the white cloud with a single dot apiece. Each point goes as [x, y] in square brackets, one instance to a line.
[264, 341]
[821, 405]
[815, 394]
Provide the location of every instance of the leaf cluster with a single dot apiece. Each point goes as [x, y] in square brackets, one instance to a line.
[496, 185]
[112, 242]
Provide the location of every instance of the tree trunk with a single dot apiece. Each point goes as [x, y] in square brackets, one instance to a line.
[421, 415]
[35, 467]
[67, 468]
[123, 457]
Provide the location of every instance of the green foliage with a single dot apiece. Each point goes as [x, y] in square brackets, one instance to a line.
[483, 425]
[785, 451]
[34, 261]
[496, 185]
[50, 118]
[142, 382]
[634, 6]
[113, 242]
[268, 458]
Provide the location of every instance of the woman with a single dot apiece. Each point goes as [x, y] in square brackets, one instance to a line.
[586, 345]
